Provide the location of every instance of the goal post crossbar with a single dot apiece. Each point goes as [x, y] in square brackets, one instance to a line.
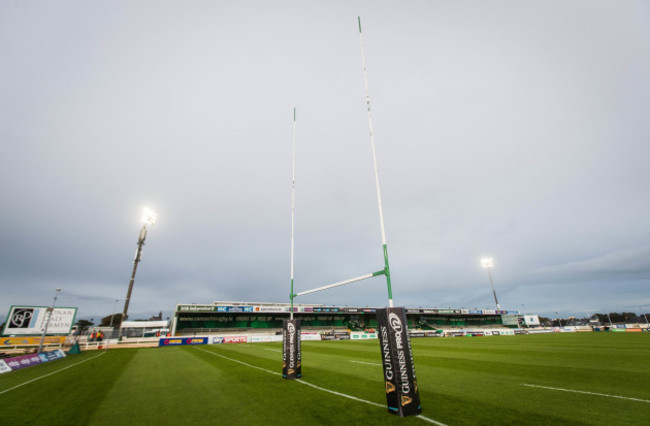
[340, 283]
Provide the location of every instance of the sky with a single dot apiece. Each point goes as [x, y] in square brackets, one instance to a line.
[514, 130]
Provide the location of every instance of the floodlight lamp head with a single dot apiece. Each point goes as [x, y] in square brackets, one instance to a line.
[487, 262]
[149, 216]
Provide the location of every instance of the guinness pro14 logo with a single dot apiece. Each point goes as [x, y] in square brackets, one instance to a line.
[402, 395]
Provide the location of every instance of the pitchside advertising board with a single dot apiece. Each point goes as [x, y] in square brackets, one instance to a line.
[402, 394]
[182, 341]
[4, 368]
[26, 320]
[291, 357]
[23, 361]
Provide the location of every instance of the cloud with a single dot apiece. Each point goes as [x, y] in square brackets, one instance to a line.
[514, 132]
[624, 264]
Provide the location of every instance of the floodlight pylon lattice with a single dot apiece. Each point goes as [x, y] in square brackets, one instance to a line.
[148, 219]
[488, 263]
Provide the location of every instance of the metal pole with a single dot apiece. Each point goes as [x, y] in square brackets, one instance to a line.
[47, 323]
[148, 218]
[642, 314]
[138, 257]
[374, 160]
[113, 313]
[113, 316]
[493, 292]
[293, 203]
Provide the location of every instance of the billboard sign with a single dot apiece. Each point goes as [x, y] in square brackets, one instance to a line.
[235, 308]
[31, 320]
[531, 320]
[196, 308]
[275, 309]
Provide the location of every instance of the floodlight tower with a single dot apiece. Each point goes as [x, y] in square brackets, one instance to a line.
[148, 219]
[488, 263]
[113, 312]
[47, 323]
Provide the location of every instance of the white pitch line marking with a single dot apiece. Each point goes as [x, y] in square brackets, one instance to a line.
[240, 362]
[272, 350]
[367, 363]
[49, 374]
[426, 419]
[339, 393]
[587, 393]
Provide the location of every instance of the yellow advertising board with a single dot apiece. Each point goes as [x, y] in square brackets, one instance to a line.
[26, 341]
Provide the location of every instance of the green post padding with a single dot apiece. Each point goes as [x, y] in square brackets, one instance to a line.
[74, 349]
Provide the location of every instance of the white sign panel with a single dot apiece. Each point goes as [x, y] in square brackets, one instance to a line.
[26, 320]
[4, 368]
[531, 320]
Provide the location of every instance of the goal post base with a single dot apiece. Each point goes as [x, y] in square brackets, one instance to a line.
[291, 352]
[402, 394]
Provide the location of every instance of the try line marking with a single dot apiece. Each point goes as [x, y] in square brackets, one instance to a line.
[367, 363]
[49, 374]
[586, 393]
[426, 419]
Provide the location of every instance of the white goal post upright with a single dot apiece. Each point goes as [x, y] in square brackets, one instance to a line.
[386, 270]
[293, 203]
[291, 358]
[402, 395]
[374, 161]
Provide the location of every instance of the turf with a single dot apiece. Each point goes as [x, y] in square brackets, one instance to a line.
[462, 381]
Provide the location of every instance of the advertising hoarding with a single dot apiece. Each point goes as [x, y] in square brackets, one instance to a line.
[31, 320]
[31, 340]
[4, 368]
[23, 361]
[182, 341]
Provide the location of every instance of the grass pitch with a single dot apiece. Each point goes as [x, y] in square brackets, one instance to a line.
[567, 378]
